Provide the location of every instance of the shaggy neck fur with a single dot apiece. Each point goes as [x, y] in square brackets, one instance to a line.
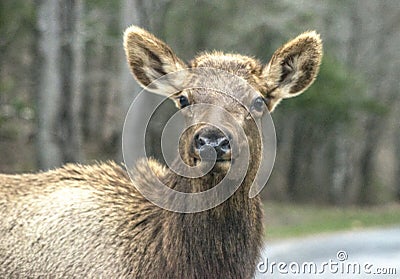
[223, 241]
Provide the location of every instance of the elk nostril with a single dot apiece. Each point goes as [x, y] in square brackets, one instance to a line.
[225, 144]
[199, 141]
[206, 141]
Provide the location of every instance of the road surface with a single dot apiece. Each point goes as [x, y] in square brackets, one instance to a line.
[373, 253]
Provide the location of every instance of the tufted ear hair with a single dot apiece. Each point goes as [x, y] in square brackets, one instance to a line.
[149, 59]
[293, 67]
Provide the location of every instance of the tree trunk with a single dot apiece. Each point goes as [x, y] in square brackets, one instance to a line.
[77, 74]
[131, 14]
[71, 15]
[375, 124]
[136, 12]
[49, 146]
[60, 89]
[339, 170]
[367, 193]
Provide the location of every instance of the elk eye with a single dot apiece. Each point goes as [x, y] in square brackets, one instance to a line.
[258, 104]
[183, 101]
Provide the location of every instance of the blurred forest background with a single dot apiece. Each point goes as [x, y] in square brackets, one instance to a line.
[65, 86]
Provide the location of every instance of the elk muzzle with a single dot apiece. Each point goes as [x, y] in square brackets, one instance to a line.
[208, 140]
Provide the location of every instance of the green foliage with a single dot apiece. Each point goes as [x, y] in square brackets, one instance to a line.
[17, 28]
[15, 14]
[293, 220]
[106, 30]
[336, 96]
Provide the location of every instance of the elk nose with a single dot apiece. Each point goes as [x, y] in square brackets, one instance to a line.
[206, 139]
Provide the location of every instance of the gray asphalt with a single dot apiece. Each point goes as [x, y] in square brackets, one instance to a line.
[354, 254]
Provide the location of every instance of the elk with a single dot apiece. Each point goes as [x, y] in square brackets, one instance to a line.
[90, 221]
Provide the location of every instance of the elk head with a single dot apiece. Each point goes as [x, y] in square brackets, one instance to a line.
[234, 91]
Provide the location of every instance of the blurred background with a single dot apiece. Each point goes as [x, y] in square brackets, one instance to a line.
[65, 88]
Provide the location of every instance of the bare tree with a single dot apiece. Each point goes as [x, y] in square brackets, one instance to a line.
[77, 82]
[149, 15]
[48, 140]
[131, 13]
[59, 96]
[72, 77]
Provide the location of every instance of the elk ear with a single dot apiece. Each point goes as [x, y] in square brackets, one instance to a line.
[149, 59]
[293, 67]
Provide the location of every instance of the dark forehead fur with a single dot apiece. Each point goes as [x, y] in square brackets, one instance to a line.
[246, 67]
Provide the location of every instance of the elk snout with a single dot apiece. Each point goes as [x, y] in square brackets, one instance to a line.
[207, 139]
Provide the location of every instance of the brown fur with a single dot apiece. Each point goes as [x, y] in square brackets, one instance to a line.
[90, 221]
